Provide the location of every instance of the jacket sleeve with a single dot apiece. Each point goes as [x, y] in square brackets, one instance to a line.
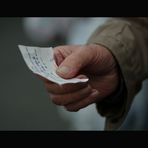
[127, 40]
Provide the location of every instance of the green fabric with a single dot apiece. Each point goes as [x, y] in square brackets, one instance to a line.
[127, 40]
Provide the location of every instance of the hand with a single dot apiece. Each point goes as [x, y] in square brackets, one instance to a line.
[92, 61]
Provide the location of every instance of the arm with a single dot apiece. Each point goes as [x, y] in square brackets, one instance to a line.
[127, 40]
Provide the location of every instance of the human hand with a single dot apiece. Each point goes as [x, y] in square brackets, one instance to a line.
[82, 61]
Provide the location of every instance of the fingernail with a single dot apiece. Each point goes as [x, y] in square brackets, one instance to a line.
[63, 70]
[94, 93]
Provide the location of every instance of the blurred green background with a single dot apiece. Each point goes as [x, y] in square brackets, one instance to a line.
[24, 103]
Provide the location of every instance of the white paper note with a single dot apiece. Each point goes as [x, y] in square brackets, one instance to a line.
[41, 61]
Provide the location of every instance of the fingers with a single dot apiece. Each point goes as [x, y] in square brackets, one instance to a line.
[84, 102]
[58, 56]
[72, 65]
[71, 97]
[61, 52]
[74, 62]
[63, 89]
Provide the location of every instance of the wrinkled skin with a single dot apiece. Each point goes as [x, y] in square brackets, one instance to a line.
[83, 61]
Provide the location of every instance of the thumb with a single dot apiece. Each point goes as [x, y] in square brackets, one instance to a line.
[73, 63]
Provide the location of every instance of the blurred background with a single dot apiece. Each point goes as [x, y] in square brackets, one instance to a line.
[24, 102]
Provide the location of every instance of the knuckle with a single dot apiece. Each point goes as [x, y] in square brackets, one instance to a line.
[55, 99]
[71, 108]
[59, 99]
[56, 102]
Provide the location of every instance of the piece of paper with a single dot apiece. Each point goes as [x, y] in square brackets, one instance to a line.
[40, 60]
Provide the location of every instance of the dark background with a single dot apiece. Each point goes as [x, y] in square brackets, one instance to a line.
[24, 103]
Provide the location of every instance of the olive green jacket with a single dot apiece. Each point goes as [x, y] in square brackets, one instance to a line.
[127, 39]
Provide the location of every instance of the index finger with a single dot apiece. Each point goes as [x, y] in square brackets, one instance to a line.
[65, 88]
